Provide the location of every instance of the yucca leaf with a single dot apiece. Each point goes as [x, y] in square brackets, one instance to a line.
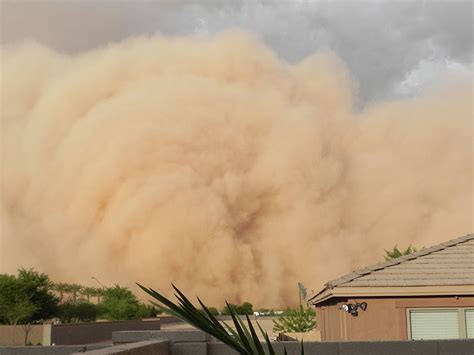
[242, 339]
[235, 335]
[160, 298]
[172, 308]
[247, 333]
[209, 314]
[194, 317]
[230, 329]
[256, 341]
[166, 310]
[267, 340]
[238, 327]
[216, 322]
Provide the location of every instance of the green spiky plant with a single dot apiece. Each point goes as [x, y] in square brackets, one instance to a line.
[395, 252]
[243, 339]
[295, 320]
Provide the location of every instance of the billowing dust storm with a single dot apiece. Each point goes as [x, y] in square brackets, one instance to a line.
[213, 164]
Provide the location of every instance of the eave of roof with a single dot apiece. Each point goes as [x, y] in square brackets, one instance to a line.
[330, 287]
[404, 291]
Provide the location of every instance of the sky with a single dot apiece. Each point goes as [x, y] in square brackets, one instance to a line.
[392, 49]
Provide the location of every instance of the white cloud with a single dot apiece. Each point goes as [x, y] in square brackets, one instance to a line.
[427, 73]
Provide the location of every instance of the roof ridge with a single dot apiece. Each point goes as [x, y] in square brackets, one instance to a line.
[384, 264]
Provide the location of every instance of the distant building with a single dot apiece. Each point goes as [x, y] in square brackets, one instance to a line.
[425, 295]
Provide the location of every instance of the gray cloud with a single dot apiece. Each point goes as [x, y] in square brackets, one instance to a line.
[391, 48]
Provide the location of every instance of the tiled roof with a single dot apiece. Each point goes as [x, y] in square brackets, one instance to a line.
[447, 264]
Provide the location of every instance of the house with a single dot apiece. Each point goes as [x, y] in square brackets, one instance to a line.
[425, 295]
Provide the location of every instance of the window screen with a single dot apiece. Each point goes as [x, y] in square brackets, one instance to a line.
[470, 323]
[434, 324]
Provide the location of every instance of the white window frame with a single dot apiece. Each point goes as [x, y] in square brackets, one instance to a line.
[465, 309]
[461, 318]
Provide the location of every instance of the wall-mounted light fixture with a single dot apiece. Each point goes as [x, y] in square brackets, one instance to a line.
[353, 308]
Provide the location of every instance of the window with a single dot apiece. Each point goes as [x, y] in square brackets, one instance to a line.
[469, 315]
[441, 323]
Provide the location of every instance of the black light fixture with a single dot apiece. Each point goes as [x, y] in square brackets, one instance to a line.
[352, 308]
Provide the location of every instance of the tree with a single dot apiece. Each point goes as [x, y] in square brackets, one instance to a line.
[74, 290]
[213, 311]
[27, 328]
[25, 299]
[244, 308]
[147, 311]
[226, 311]
[396, 253]
[61, 288]
[70, 312]
[98, 292]
[295, 321]
[22, 310]
[120, 303]
[29, 286]
[88, 292]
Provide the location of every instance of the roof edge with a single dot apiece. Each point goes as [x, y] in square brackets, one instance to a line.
[382, 265]
[326, 294]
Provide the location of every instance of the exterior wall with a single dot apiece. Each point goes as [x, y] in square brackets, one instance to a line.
[313, 335]
[48, 350]
[155, 347]
[384, 319]
[87, 333]
[266, 322]
[14, 335]
[197, 343]
[72, 333]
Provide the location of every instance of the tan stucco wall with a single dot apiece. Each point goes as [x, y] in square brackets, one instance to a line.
[384, 319]
[14, 335]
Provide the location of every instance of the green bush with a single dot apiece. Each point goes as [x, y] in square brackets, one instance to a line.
[214, 311]
[69, 312]
[295, 320]
[395, 252]
[245, 308]
[26, 298]
[242, 309]
[226, 310]
[147, 311]
[119, 303]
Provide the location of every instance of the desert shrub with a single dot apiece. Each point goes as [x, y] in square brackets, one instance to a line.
[119, 303]
[244, 308]
[69, 312]
[295, 320]
[147, 311]
[214, 311]
[395, 252]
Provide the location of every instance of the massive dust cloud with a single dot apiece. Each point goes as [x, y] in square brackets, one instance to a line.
[212, 164]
